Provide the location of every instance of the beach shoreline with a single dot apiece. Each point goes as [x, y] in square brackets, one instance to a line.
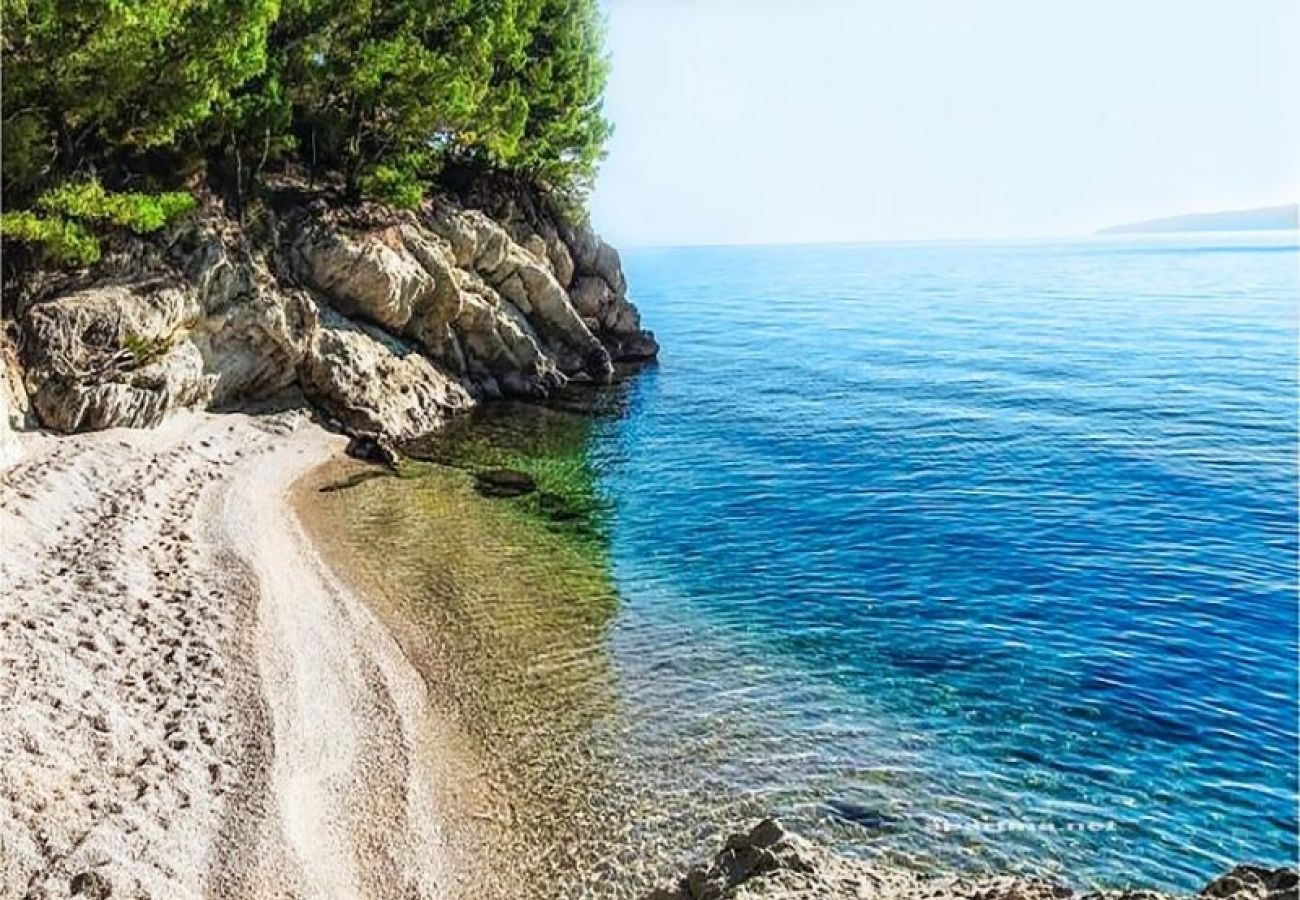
[195, 705]
[206, 692]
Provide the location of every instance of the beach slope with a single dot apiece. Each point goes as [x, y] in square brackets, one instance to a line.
[191, 705]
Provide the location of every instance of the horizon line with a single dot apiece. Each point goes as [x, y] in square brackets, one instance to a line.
[991, 239]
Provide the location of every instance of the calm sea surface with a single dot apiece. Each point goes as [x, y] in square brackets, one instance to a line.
[979, 554]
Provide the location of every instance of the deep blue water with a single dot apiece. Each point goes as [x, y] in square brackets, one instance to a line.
[979, 553]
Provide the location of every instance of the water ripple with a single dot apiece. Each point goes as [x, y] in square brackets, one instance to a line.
[969, 534]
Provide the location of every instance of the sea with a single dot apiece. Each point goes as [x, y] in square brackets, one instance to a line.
[962, 557]
[976, 554]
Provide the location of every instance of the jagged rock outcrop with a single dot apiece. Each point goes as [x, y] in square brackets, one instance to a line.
[117, 354]
[584, 265]
[771, 863]
[1254, 883]
[375, 384]
[388, 321]
[255, 330]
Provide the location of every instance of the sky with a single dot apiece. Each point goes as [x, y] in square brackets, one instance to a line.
[803, 121]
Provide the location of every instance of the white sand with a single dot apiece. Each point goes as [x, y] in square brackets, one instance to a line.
[191, 705]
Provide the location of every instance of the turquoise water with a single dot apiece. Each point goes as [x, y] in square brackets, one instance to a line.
[978, 554]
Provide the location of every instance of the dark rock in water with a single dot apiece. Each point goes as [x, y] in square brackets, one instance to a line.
[372, 448]
[353, 480]
[558, 509]
[861, 815]
[638, 347]
[1255, 883]
[428, 448]
[504, 483]
[90, 884]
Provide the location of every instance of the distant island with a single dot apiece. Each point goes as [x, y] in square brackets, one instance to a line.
[1267, 218]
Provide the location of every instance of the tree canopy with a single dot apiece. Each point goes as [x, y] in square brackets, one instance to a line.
[380, 95]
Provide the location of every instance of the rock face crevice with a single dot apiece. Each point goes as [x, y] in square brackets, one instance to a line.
[388, 321]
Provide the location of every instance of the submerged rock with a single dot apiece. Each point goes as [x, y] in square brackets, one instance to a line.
[770, 862]
[373, 448]
[504, 483]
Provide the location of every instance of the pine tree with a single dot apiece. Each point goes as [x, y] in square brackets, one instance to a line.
[380, 93]
[91, 86]
[565, 133]
[380, 87]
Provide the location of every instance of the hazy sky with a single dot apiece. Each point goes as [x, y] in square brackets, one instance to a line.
[830, 120]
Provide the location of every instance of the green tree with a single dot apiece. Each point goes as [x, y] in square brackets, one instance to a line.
[564, 83]
[93, 85]
[64, 229]
[380, 93]
[380, 87]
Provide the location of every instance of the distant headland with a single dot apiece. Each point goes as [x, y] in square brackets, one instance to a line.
[1266, 218]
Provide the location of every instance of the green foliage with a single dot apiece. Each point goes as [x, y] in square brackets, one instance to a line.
[145, 350]
[66, 243]
[373, 81]
[96, 81]
[380, 93]
[565, 133]
[394, 185]
[140, 213]
[61, 231]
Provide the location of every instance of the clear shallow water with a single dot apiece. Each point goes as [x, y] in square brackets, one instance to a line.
[982, 555]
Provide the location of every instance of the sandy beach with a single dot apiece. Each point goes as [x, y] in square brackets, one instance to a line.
[192, 704]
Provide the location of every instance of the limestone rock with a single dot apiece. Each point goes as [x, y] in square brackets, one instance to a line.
[432, 320]
[390, 320]
[502, 351]
[119, 354]
[769, 862]
[368, 275]
[376, 384]
[524, 281]
[255, 349]
[254, 332]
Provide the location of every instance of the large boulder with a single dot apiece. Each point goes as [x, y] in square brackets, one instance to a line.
[503, 353]
[432, 323]
[368, 274]
[117, 354]
[254, 332]
[375, 384]
[588, 268]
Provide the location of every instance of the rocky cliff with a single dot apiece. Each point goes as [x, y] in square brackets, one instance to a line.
[387, 321]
